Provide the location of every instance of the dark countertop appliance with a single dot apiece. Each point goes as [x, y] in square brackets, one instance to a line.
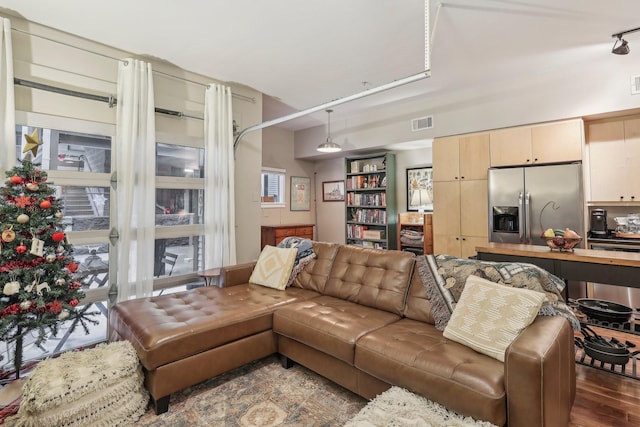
[598, 226]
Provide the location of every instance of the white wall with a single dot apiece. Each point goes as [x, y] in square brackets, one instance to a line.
[277, 152]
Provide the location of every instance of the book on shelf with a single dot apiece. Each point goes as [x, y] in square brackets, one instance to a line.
[355, 166]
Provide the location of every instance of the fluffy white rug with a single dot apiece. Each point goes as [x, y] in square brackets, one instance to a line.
[398, 407]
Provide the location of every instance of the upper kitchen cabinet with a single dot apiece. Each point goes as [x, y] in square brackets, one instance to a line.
[537, 144]
[511, 146]
[461, 157]
[614, 160]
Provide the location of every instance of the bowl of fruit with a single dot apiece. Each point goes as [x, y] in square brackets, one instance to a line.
[561, 240]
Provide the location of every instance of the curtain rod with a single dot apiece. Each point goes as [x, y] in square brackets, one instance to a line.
[235, 95]
[111, 100]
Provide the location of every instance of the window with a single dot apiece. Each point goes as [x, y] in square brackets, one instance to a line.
[179, 244]
[273, 187]
[77, 156]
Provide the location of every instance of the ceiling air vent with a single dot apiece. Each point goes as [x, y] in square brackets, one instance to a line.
[421, 123]
[635, 85]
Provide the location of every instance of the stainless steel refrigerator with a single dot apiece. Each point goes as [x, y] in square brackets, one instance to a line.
[524, 201]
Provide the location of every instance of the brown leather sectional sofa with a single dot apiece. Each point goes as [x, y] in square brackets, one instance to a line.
[360, 317]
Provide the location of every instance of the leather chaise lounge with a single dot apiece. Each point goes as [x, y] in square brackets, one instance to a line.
[360, 317]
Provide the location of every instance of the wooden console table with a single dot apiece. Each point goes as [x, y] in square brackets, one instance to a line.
[588, 265]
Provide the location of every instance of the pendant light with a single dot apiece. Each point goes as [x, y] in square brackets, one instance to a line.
[329, 146]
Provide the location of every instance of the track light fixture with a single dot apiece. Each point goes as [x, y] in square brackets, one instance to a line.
[621, 46]
[329, 146]
[621, 49]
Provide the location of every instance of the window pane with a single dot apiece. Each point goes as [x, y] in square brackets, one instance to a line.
[93, 268]
[272, 189]
[179, 207]
[66, 150]
[177, 160]
[178, 255]
[84, 208]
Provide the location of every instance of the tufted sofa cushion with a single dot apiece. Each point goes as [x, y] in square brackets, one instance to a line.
[171, 327]
[329, 324]
[370, 277]
[418, 306]
[314, 275]
[416, 355]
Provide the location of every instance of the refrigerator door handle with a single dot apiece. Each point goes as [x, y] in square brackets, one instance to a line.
[521, 222]
[527, 214]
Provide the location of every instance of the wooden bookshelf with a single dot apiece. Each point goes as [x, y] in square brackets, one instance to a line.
[415, 232]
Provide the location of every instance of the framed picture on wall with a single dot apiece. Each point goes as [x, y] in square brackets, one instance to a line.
[420, 189]
[333, 191]
[300, 193]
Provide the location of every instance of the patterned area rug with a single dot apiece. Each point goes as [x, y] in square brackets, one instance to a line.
[261, 394]
[398, 407]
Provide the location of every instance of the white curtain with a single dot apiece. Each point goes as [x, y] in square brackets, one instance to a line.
[7, 101]
[135, 160]
[220, 235]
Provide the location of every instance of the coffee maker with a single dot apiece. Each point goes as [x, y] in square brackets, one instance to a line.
[598, 223]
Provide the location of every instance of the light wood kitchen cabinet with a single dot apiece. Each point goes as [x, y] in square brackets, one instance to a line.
[461, 157]
[614, 160]
[511, 146]
[557, 142]
[537, 144]
[460, 219]
[463, 222]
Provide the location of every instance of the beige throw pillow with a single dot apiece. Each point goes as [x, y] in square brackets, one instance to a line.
[489, 316]
[274, 267]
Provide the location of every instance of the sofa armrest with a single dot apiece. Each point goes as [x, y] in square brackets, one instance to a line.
[236, 274]
[540, 374]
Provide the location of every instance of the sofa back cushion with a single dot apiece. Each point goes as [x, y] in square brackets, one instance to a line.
[418, 306]
[314, 275]
[372, 277]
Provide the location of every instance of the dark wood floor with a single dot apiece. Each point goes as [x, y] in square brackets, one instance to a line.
[605, 399]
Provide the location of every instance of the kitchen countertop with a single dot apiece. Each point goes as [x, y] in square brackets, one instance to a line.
[591, 256]
[585, 265]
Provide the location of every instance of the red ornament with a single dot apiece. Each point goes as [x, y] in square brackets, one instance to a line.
[58, 236]
[45, 204]
[72, 267]
[73, 302]
[16, 180]
[21, 249]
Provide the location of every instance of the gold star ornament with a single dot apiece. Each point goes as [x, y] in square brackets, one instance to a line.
[33, 143]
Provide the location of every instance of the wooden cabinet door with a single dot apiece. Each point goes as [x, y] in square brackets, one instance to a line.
[446, 155]
[557, 142]
[607, 165]
[474, 208]
[446, 216]
[474, 156]
[447, 245]
[469, 243]
[511, 146]
[632, 150]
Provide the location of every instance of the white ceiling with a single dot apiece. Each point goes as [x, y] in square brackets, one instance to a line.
[303, 53]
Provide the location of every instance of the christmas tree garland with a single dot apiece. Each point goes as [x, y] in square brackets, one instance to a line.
[38, 287]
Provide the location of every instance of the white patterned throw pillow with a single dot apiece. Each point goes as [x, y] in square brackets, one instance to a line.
[489, 316]
[274, 267]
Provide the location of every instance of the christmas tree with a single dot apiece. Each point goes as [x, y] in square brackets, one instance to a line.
[37, 283]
